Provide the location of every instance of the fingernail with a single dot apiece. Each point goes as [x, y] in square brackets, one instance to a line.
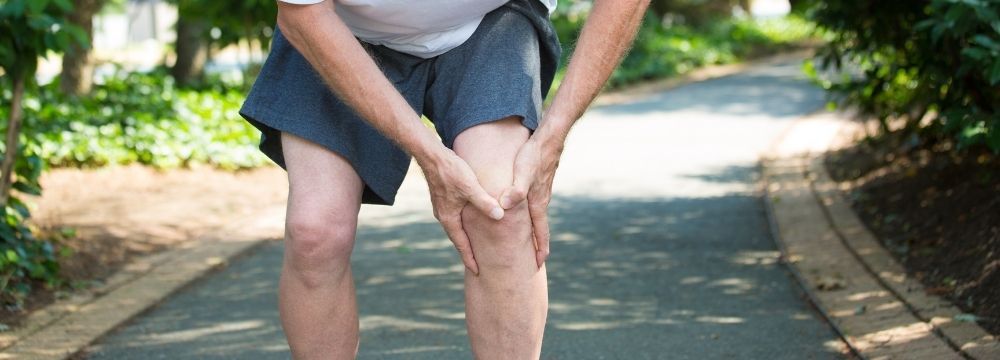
[496, 213]
[505, 202]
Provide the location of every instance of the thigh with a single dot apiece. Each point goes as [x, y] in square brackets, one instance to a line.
[504, 69]
[322, 185]
[290, 97]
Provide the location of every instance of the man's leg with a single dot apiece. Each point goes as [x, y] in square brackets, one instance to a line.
[316, 291]
[507, 303]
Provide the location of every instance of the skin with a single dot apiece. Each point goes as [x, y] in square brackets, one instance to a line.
[493, 164]
[316, 296]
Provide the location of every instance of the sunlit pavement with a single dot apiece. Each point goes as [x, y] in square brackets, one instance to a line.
[661, 250]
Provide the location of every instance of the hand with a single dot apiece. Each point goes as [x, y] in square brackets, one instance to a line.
[453, 185]
[534, 168]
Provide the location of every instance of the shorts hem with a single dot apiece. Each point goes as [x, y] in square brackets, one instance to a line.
[529, 121]
[271, 126]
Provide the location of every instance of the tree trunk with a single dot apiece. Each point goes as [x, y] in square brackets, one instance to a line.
[13, 132]
[77, 67]
[192, 50]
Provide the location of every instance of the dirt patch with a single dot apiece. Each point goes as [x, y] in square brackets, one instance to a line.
[117, 213]
[937, 210]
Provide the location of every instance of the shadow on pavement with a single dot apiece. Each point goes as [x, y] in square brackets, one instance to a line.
[662, 253]
[666, 278]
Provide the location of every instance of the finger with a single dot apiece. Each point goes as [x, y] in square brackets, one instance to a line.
[512, 196]
[518, 192]
[540, 227]
[482, 200]
[453, 226]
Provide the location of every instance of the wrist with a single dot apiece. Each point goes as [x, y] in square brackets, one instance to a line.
[429, 154]
[552, 145]
[550, 136]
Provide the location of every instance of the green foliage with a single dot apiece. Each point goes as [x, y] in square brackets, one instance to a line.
[695, 12]
[23, 257]
[235, 19]
[140, 118]
[933, 65]
[31, 29]
[668, 50]
[663, 51]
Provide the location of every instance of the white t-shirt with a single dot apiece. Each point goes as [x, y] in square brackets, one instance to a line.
[424, 28]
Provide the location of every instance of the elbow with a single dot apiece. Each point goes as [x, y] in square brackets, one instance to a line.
[289, 29]
[293, 17]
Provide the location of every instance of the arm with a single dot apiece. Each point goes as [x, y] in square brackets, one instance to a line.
[324, 40]
[606, 35]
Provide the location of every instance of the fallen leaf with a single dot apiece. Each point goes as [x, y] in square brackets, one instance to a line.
[939, 290]
[829, 283]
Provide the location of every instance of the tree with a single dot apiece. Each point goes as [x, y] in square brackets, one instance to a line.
[234, 21]
[77, 65]
[191, 48]
[35, 27]
[31, 28]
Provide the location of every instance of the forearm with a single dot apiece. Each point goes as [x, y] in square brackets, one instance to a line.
[318, 33]
[604, 39]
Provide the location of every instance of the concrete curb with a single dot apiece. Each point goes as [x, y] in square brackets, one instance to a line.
[865, 294]
[63, 328]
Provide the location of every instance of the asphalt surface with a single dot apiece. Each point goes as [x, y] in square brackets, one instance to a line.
[661, 250]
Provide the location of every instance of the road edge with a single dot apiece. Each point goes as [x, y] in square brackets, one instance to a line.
[62, 329]
[863, 292]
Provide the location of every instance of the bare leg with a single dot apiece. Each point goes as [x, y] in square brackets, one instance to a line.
[316, 291]
[507, 303]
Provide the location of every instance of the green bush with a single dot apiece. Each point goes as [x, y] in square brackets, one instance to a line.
[129, 118]
[31, 29]
[141, 118]
[663, 51]
[23, 257]
[931, 65]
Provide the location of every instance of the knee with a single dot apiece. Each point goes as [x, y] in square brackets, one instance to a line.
[317, 243]
[507, 238]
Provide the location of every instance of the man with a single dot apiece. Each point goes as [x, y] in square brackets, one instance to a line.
[339, 103]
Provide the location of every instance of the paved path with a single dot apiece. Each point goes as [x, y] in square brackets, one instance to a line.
[661, 249]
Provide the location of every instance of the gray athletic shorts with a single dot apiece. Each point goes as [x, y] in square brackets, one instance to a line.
[505, 69]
